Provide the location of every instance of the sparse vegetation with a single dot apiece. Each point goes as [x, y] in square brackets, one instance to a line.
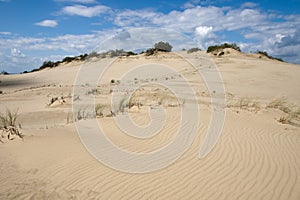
[4, 72]
[123, 104]
[99, 109]
[81, 113]
[223, 46]
[244, 104]
[83, 57]
[280, 104]
[8, 125]
[268, 56]
[291, 118]
[248, 104]
[150, 52]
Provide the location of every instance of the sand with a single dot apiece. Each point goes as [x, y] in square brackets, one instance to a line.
[256, 157]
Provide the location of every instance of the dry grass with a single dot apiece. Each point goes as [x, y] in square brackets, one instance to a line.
[8, 125]
[281, 104]
[99, 110]
[245, 104]
[81, 114]
[292, 118]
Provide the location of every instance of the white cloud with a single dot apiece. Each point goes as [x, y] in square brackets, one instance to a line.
[16, 53]
[85, 11]
[205, 36]
[249, 5]
[136, 18]
[47, 23]
[207, 25]
[203, 31]
[5, 33]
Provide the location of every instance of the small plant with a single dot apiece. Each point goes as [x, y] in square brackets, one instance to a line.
[123, 104]
[112, 81]
[150, 52]
[99, 108]
[280, 104]
[92, 91]
[283, 120]
[268, 56]
[8, 124]
[245, 104]
[81, 114]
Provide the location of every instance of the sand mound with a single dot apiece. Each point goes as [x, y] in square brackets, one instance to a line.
[256, 157]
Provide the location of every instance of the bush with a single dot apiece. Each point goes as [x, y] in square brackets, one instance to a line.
[268, 56]
[68, 59]
[192, 50]
[163, 46]
[4, 72]
[150, 51]
[223, 46]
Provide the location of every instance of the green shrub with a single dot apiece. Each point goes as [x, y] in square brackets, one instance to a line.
[223, 46]
[150, 51]
[192, 50]
[163, 46]
[68, 59]
[4, 72]
[268, 56]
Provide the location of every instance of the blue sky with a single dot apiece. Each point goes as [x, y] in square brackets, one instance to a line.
[34, 31]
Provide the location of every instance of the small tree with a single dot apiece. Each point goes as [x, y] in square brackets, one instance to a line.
[192, 50]
[163, 46]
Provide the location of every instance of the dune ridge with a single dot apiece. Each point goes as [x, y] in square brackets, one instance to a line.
[256, 157]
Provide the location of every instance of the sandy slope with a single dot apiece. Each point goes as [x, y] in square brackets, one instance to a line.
[256, 157]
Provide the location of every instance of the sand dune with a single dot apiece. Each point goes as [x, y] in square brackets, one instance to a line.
[256, 157]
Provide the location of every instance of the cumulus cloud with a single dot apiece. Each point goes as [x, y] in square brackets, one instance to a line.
[207, 25]
[205, 36]
[289, 40]
[47, 23]
[85, 11]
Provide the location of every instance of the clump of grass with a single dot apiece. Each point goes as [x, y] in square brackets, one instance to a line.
[123, 104]
[8, 124]
[134, 101]
[69, 117]
[99, 108]
[246, 104]
[93, 91]
[280, 104]
[81, 113]
[291, 118]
